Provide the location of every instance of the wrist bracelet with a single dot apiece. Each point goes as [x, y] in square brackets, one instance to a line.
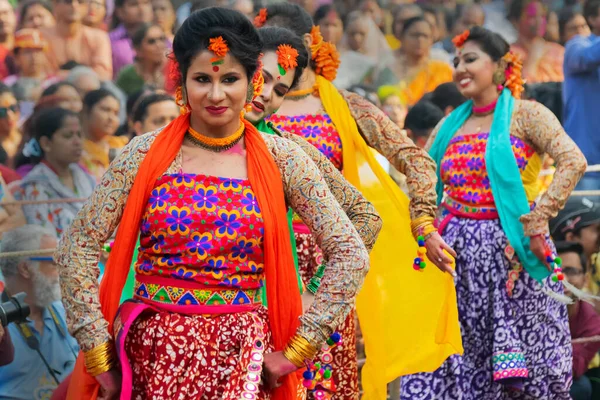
[299, 350]
[100, 359]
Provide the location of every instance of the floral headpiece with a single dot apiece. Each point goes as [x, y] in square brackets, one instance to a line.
[261, 18]
[324, 55]
[287, 58]
[258, 81]
[459, 40]
[176, 81]
[219, 47]
[513, 73]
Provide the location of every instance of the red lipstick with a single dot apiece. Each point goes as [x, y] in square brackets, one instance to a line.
[216, 110]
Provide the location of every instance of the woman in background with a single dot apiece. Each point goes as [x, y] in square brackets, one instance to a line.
[150, 60]
[55, 150]
[164, 15]
[542, 60]
[35, 14]
[414, 72]
[100, 119]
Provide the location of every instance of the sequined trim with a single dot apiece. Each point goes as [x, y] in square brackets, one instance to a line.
[167, 294]
[509, 365]
[253, 374]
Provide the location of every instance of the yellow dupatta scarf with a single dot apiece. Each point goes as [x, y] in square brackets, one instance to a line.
[409, 319]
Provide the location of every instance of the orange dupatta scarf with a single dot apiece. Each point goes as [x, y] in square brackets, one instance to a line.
[283, 294]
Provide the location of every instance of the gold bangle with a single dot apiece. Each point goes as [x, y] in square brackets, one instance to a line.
[417, 222]
[298, 350]
[100, 359]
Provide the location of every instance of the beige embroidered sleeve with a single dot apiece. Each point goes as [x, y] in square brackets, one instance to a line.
[80, 247]
[346, 256]
[361, 212]
[540, 127]
[392, 142]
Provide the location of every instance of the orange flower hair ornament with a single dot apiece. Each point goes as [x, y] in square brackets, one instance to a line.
[177, 81]
[287, 58]
[324, 54]
[459, 40]
[219, 47]
[258, 81]
[513, 73]
[261, 18]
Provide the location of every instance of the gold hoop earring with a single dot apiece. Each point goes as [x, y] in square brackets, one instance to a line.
[498, 78]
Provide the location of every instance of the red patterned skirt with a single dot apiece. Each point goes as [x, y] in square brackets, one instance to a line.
[345, 365]
[176, 356]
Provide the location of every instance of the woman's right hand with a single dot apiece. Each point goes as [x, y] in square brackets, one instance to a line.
[110, 385]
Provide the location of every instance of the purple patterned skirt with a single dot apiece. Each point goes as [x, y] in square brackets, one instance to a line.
[516, 347]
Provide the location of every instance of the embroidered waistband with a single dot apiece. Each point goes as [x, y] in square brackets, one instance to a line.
[469, 211]
[174, 292]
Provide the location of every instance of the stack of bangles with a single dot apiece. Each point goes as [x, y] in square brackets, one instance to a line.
[100, 359]
[422, 229]
[299, 351]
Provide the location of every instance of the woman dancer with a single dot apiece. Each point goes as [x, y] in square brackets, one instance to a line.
[343, 126]
[284, 60]
[516, 337]
[211, 207]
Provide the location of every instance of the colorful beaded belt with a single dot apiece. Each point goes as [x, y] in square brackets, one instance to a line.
[468, 211]
[176, 293]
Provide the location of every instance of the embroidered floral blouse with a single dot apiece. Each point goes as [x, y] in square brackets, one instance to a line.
[305, 191]
[392, 142]
[534, 129]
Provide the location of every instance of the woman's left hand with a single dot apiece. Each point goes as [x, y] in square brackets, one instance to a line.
[435, 246]
[537, 244]
[275, 367]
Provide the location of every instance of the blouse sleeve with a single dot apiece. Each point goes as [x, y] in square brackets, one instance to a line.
[392, 142]
[79, 250]
[346, 256]
[361, 212]
[544, 130]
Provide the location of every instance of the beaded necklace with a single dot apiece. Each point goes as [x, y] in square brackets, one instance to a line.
[215, 144]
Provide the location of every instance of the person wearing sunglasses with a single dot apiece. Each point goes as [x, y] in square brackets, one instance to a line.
[44, 351]
[150, 61]
[10, 136]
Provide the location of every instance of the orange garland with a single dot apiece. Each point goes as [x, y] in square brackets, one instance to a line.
[261, 18]
[324, 54]
[287, 57]
[514, 78]
[217, 142]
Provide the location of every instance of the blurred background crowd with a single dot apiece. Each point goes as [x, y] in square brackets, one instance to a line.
[82, 77]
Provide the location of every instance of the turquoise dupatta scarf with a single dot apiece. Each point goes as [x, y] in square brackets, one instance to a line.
[503, 172]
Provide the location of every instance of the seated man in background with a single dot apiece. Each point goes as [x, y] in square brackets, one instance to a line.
[584, 321]
[44, 351]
